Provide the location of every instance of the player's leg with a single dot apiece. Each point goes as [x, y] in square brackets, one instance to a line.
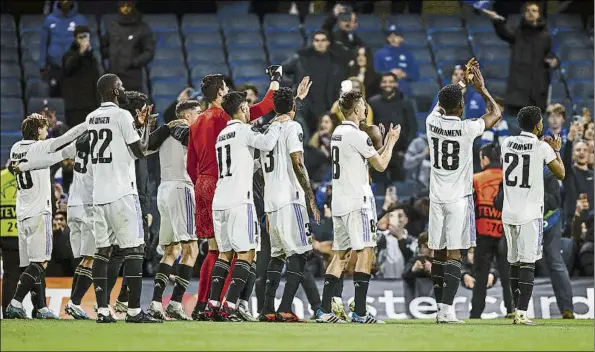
[83, 246]
[262, 262]
[437, 242]
[275, 267]
[558, 272]
[504, 271]
[512, 255]
[164, 270]
[99, 270]
[483, 256]
[243, 304]
[184, 271]
[530, 246]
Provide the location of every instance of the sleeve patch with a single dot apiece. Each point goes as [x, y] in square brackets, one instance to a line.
[301, 137]
[369, 141]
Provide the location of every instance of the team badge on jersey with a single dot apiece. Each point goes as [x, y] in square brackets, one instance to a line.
[301, 137]
[369, 141]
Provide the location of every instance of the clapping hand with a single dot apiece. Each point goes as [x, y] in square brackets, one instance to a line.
[145, 115]
[555, 142]
[394, 133]
[304, 88]
[477, 81]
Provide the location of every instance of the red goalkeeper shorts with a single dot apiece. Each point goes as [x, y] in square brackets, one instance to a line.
[204, 191]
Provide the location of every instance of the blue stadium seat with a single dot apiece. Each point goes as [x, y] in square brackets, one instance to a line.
[441, 23]
[10, 70]
[453, 39]
[167, 40]
[170, 56]
[11, 123]
[407, 22]
[244, 23]
[284, 40]
[31, 70]
[31, 23]
[10, 88]
[30, 53]
[580, 90]
[167, 89]
[199, 23]
[572, 39]
[248, 71]
[478, 23]
[9, 42]
[30, 39]
[373, 38]
[238, 56]
[421, 55]
[578, 72]
[10, 56]
[313, 23]
[11, 107]
[496, 86]
[36, 104]
[205, 56]
[559, 92]
[232, 8]
[243, 40]
[494, 70]
[427, 72]
[565, 22]
[280, 22]
[569, 54]
[424, 93]
[203, 40]
[7, 23]
[168, 73]
[486, 38]
[206, 68]
[278, 56]
[162, 22]
[458, 55]
[494, 54]
[368, 22]
[9, 138]
[415, 40]
[420, 118]
[161, 103]
[38, 89]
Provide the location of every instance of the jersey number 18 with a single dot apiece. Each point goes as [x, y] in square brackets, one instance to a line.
[449, 160]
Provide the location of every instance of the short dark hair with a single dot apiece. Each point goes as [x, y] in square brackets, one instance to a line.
[528, 117]
[347, 102]
[390, 74]
[490, 151]
[450, 97]
[136, 100]
[249, 86]
[210, 86]
[80, 29]
[61, 212]
[186, 105]
[283, 100]
[107, 83]
[31, 125]
[320, 31]
[232, 102]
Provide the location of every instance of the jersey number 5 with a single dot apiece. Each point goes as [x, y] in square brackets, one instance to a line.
[227, 160]
[449, 160]
[335, 160]
[106, 136]
[513, 159]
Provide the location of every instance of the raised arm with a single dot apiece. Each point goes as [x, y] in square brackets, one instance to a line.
[41, 160]
[380, 161]
[140, 147]
[157, 137]
[264, 141]
[493, 114]
[66, 138]
[500, 26]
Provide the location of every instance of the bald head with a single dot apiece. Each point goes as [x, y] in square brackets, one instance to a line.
[110, 88]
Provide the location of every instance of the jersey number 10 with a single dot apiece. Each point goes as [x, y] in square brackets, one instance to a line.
[24, 180]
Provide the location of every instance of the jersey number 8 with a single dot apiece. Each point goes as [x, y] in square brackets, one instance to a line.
[447, 164]
[106, 136]
[335, 160]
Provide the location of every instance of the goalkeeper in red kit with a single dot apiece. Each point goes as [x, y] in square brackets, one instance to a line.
[203, 170]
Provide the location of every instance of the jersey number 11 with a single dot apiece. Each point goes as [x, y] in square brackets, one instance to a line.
[227, 160]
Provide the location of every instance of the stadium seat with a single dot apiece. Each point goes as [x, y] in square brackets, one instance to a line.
[485, 39]
[569, 54]
[248, 70]
[30, 39]
[7, 23]
[238, 56]
[262, 87]
[578, 72]
[443, 23]
[427, 72]
[206, 68]
[8, 40]
[167, 89]
[9, 138]
[494, 54]
[581, 104]
[167, 40]
[459, 55]
[161, 103]
[205, 56]
[31, 70]
[278, 56]
[10, 56]
[565, 22]
[313, 23]
[424, 93]
[580, 90]
[571, 39]
[162, 22]
[369, 22]
[421, 55]
[35, 104]
[284, 40]
[373, 38]
[38, 89]
[280, 22]
[558, 92]
[448, 39]
[169, 56]
[192, 23]
[407, 22]
[203, 40]
[30, 54]
[11, 107]
[244, 23]
[496, 86]
[478, 23]
[11, 123]
[168, 73]
[420, 118]
[31, 23]
[10, 70]
[415, 40]
[494, 70]
[232, 8]
[10, 88]
[243, 40]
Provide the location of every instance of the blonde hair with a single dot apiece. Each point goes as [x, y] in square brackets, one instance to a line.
[557, 108]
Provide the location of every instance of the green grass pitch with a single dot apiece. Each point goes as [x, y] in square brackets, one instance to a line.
[411, 335]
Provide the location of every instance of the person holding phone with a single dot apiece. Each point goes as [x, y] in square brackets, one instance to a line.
[80, 72]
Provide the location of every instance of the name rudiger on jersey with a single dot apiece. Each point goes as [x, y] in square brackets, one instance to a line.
[99, 120]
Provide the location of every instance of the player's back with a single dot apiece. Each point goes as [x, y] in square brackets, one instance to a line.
[111, 130]
[204, 132]
[235, 162]
[523, 159]
[281, 184]
[34, 186]
[81, 190]
[172, 159]
[351, 184]
[450, 141]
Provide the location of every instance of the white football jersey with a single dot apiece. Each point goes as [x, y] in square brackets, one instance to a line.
[350, 150]
[81, 190]
[111, 130]
[281, 186]
[172, 158]
[235, 157]
[451, 154]
[523, 159]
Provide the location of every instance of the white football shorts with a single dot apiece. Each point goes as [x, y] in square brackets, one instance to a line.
[35, 239]
[355, 230]
[80, 223]
[525, 242]
[175, 201]
[236, 229]
[289, 230]
[119, 222]
[452, 225]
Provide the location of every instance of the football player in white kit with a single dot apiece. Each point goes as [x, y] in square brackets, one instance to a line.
[36, 154]
[452, 220]
[523, 158]
[175, 201]
[117, 216]
[287, 186]
[353, 205]
[234, 221]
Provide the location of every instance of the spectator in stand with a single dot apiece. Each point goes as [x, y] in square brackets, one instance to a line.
[582, 234]
[394, 245]
[417, 274]
[80, 72]
[128, 44]
[531, 59]
[169, 114]
[468, 274]
[344, 40]
[499, 131]
[56, 128]
[353, 84]
[251, 93]
[363, 69]
[395, 58]
[322, 65]
[475, 106]
[579, 177]
[391, 106]
[62, 262]
[56, 37]
[417, 162]
[556, 116]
